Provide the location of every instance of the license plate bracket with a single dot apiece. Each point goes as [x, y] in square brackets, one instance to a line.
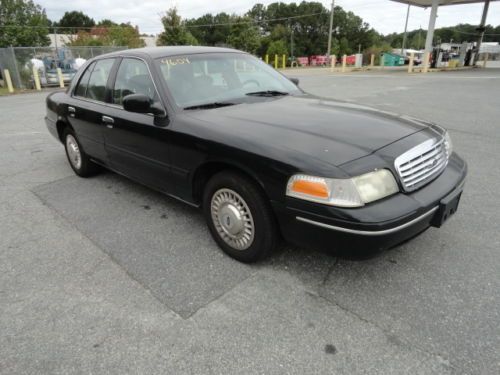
[447, 207]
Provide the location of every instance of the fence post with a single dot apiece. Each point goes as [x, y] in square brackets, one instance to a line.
[333, 61]
[36, 79]
[8, 80]
[284, 61]
[372, 60]
[410, 63]
[344, 62]
[267, 58]
[61, 79]
[275, 61]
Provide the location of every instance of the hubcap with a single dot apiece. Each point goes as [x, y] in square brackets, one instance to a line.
[232, 219]
[74, 155]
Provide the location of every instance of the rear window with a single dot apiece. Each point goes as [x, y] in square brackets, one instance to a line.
[81, 89]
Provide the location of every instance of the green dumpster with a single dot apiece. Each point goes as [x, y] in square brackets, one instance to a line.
[392, 59]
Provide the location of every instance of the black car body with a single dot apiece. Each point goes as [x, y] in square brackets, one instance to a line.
[264, 138]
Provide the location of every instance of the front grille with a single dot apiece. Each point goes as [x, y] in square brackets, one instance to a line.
[422, 163]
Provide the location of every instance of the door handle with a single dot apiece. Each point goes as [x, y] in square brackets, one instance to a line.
[71, 111]
[108, 121]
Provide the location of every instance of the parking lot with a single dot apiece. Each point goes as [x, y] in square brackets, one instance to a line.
[102, 275]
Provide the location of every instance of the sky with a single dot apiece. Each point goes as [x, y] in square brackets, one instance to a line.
[383, 15]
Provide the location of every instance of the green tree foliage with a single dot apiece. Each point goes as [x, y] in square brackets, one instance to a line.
[23, 23]
[243, 35]
[108, 33]
[175, 32]
[277, 47]
[72, 22]
[276, 21]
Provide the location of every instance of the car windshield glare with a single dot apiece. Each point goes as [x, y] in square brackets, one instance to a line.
[202, 79]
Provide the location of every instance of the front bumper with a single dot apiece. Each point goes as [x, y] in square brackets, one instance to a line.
[379, 225]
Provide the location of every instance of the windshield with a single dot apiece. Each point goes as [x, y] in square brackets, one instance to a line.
[215, 78]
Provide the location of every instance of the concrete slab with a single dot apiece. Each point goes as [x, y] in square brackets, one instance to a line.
[163, 244]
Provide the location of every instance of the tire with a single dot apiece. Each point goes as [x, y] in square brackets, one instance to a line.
[239, 217]
[77, 158]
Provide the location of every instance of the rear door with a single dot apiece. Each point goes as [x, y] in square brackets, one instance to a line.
[137, 144]
[87, 105]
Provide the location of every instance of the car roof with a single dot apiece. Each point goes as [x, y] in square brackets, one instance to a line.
[156, 52]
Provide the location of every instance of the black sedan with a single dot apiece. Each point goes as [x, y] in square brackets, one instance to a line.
[221, 130]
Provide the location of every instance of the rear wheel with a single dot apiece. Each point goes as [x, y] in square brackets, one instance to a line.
[239, 217]
[78, 159]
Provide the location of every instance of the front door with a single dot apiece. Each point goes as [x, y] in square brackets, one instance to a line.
[136, 143]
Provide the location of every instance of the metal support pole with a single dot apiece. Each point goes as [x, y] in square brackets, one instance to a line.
[406, 28]
[430, 33]
[481, 27]
[328, 51]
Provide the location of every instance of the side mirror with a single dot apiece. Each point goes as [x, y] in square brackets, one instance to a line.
[140, 103]
[295, 81]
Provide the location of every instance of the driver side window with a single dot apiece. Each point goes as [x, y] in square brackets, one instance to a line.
[133, 78]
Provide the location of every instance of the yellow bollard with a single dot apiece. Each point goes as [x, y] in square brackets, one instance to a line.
[6, 75]
[344, 62]
[410, 63]
[275, 61]
[267, 59]
[36, 79]
[61, 79]
[333, 61]
[284, 61]
[425, 63]
[486, 56]
[372, 60]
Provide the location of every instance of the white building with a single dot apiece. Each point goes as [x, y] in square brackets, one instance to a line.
[64, 39]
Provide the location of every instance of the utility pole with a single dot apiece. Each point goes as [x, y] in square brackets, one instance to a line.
[291, 42]
[481, 28]
[330, 30]
[406, 27]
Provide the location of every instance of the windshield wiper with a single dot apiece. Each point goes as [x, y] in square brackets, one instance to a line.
[210, 105]
[267, 93]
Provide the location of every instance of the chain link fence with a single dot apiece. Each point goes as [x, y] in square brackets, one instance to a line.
[21, 60]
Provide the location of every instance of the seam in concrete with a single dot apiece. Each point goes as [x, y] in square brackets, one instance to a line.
[62, 217]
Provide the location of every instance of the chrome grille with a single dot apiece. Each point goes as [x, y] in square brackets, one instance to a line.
[422, 163]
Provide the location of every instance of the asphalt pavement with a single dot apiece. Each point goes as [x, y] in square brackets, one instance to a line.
[103, 275]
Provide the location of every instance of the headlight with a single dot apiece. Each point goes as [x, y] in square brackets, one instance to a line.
[448, 144]
[346, 192]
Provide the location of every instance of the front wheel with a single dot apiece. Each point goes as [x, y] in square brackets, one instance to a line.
[239, 217]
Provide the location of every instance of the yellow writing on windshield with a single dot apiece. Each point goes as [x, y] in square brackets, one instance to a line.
[176, 61]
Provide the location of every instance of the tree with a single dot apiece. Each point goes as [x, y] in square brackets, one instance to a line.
[278, 47]
[175, 32]
[111, 34]
[23, 23]
[72, 22]
[243, 35]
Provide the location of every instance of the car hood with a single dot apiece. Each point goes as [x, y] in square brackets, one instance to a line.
[324, 130]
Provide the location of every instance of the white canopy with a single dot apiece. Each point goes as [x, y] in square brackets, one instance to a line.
[428, 3]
